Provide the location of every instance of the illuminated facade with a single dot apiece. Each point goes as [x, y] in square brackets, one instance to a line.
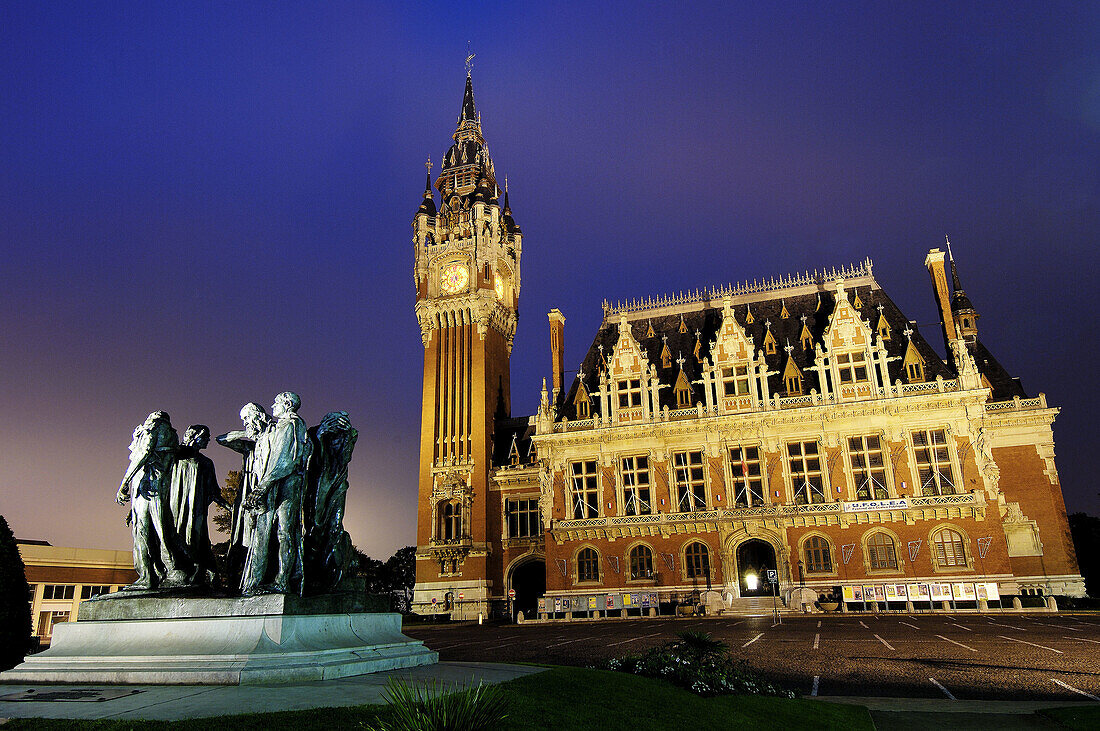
[801, 425]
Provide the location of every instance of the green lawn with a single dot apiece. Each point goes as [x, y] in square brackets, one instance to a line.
[1077, 717]
[561, 699]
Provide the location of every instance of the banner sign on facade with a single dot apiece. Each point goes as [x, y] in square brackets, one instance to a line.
[864, 506]
[668, 561]
[914, 549]
[563, 567]
[847, 551]
[983, 546]
[614, 561]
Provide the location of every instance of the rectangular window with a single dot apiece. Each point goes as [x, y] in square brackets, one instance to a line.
[689, 478]
[936, 473]
[630, 393]
[635, 481]
[735, 381]
[793, 384]
[807, 478]
[87, 592]
[586, 501]
[58, 591]
[868, 467]
[852, 367]
[524, 519]
[915, 371]
[46, 621]
[748, 476]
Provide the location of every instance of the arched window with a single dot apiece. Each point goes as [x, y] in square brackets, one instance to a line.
[451, 522]
[950, 548]
[588, 565]
[881, 552]
[697, 561]
[818, 558]
[641, 563]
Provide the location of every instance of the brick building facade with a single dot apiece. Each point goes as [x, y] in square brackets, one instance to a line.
[799, 425]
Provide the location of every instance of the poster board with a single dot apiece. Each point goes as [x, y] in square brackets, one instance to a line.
[924, 592]
[880, 593]
[542, 604]
[912, 591]
[992, 591]
[849, 594]
[891, 593]
[592, 605]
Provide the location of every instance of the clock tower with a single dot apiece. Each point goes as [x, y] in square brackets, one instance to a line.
[467, 274]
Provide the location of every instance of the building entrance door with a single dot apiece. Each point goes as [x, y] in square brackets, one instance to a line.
[529, 581]
[754, 559]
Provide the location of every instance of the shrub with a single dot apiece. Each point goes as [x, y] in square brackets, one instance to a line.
[433, 709]
[699, 664]
[15, 612]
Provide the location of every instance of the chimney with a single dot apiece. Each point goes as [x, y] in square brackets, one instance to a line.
[557, 348]
[935, 263]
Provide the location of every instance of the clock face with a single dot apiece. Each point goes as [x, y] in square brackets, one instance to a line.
[498, 283]
[454, 278]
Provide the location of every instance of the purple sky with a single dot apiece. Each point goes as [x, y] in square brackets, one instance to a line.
[208, 204]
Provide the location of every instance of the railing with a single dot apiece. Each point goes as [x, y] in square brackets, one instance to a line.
[769, 510]
[863, 269]
[806, 400]
[1018, 404]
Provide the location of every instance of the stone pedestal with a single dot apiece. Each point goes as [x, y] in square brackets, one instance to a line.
[230, 641]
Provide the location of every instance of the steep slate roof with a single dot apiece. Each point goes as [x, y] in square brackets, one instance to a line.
[706, 317]
[1004, 386]
[505, 430]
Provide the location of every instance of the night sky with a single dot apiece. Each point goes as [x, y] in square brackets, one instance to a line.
[207, 204]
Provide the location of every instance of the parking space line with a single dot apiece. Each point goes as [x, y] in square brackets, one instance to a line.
[960, 626]
[1082, 639]
[945, 639]
[1071, 629]
[885, 642]
[819, 624]
[910, 625]
[817, 680]
[946, 692]
[754, 639]
[817, 638]
[567, 642]
[740, 621]
[861, 624]
[1008, 625]
[1067, 686]
[632, 639]
[1025, 642]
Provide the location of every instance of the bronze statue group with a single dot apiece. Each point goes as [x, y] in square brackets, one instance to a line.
[287, 533]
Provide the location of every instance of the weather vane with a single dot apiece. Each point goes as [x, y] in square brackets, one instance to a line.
[469, 59]
[428, 164]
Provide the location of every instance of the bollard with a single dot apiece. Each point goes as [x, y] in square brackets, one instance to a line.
[1016, 603]
[983, 605]
[844, 606]
[1052, 604]
[909, 607]
[479, 618]
[945, 606]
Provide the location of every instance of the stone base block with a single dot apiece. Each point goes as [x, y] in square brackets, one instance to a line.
[223, 650]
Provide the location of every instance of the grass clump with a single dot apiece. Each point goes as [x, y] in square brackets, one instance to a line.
[434, 709]
[698, 663]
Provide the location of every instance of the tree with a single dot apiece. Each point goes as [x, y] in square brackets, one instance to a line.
[1085, 530]
[15, 610]
[223, 519]
[401, 572]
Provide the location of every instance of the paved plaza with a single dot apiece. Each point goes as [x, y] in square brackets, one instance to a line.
[1007, 657]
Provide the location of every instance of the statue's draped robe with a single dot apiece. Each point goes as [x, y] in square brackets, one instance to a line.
[194, 486]
[280, 459]
[328, 546]
[158, 554]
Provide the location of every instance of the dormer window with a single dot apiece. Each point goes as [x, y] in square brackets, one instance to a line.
[735, 381]
[683, 398]
[793, 384]
[630, 393]
[915, 372]
[852, 367]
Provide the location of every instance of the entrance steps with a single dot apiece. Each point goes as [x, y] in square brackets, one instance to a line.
[754, 606]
